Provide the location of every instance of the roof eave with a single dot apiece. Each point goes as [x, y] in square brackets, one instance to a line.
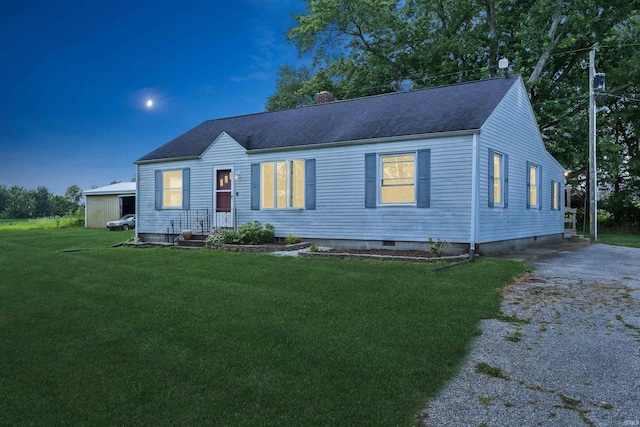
[167, 159]
[367, 141]
[110, 193]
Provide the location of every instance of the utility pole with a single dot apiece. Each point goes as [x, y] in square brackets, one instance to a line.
[593, 179]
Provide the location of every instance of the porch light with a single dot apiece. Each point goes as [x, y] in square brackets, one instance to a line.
[236, 176]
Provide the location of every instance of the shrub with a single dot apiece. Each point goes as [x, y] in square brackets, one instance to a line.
[229, 237]
[292, 239]
[251, 233]
[437, 247]
[623, 207]
[254, 234]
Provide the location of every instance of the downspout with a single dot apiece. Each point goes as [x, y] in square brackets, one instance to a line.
[137, 203]
[475, 187]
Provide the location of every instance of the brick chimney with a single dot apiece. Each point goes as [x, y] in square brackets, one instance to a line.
[324, 97]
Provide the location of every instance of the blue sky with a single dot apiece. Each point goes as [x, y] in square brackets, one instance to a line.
[76, 76]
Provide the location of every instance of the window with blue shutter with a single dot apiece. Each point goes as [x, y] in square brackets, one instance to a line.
[173, 189]
[288, 184]
[533, 186]
[498, 183]
[397, 179]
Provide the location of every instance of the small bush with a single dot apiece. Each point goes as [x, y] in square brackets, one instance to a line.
[292, 239]
[314, 248]
[228, 237]
[251, 233]
[437, 247]
[254, 234]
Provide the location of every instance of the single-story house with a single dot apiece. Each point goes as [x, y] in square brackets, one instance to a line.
[107, 203]
[464, 163]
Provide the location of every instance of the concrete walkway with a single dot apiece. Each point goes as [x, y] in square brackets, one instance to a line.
[566, 353]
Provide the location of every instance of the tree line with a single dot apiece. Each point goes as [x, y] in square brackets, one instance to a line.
[19, 203]
[368, 47]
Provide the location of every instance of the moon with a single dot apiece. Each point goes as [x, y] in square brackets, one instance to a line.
[149, 103]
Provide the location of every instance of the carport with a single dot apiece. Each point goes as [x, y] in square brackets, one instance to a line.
[108, 203]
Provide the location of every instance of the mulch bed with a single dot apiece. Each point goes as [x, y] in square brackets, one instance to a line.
[386, 252]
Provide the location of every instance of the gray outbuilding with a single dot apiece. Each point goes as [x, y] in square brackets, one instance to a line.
[108, 203]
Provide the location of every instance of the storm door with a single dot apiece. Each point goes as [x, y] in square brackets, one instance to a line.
[224, 207]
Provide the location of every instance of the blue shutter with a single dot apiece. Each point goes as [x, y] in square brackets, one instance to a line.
[505, 180]
[255, 186]
[491, 176]
[553, 185]
[539, 176]
[158, 190]
[310, 184]
[186, 188]
[370, 185]
[424, 181]
[528, 185]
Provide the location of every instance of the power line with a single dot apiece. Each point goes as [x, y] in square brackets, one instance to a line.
[561, 99]
[598, 47]
[624, 98]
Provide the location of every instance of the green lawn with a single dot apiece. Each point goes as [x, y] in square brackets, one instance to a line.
[38, 223]
[620, 239]
[123, 336]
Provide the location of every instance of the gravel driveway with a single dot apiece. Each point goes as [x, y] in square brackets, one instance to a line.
[565, 353]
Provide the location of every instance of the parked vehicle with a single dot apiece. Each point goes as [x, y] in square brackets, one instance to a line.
[124, 223]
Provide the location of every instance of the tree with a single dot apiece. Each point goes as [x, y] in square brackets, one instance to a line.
[61, 206]
[21, 203]
[42, 198]
[74, 195]
[4, 199]
[289, 85]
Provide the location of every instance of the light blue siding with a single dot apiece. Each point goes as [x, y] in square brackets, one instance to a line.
[339, 211]
[513, 130]
[340, 195]
[223, 153]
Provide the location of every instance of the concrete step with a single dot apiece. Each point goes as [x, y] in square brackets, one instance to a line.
[193, 243]
[577, 238]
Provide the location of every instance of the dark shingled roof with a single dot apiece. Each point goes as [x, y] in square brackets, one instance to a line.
[459, 107]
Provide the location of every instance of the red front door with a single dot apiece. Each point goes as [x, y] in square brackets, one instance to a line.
[223, 190]
[224, 215]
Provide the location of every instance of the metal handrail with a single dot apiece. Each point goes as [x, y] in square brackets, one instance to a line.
[197, 220]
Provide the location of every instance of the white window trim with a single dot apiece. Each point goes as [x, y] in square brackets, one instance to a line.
[557, 195]
[289, 185]
[172, 207]
[502, 180]
[380, 178]
[537, 186]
